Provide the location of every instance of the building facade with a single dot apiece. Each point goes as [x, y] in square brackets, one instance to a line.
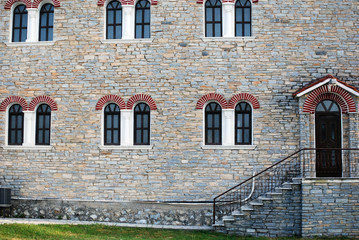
[174, 100]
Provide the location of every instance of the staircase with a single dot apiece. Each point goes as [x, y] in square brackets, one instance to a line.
[275, 214]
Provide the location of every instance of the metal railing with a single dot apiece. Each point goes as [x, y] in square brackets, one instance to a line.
[301, 164]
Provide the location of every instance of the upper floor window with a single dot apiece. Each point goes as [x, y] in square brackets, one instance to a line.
[243, 18]
[16, 125]
[213, 124]
[243, 124]
[142, 124]
[46, 27]
[213, 16]
[19, 31]
[112, 124]
[114, 20]
[142, 19]
[43, 125]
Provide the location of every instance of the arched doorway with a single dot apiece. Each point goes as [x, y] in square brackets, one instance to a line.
[328, 135]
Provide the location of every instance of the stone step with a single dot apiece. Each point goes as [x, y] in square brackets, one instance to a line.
[228, 218]
[263, 198]
[256, 203]
[218, 224]
[247, 208]
[237, 213]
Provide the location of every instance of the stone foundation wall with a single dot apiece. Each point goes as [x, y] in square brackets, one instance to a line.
[330, 207]
[121, 212]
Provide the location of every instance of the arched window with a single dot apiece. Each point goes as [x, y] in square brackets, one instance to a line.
[46, 27]
[142, 124]
[143, 19]
[19, 28]
[114, 20]
[243, 18]
[213, 17]
[43, 125]
[213, 124]
[16, 125]
[243, 124]
[112, 125]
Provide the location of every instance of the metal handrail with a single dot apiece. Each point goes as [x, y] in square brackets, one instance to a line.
[300, 167]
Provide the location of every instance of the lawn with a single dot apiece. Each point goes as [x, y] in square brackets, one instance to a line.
[27, 231]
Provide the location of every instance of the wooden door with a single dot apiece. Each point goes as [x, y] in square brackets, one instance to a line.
[328, 135]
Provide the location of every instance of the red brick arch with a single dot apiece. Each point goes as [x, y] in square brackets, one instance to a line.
[125, 2]
[42, 99]
[9, 3]
[141, 98]
[243, 96]
[13, 99]
[36, 3]
[337, 94]
[223, 1]
[110, 98]
[212, 97]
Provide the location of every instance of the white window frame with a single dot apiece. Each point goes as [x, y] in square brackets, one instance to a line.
[128, 25]
[127, 128]
[228, 126]
[33, 18]
[29, 133]
[228, 23]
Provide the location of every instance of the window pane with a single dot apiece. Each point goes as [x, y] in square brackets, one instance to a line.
[12, 121]
[217, 136]
[39, 136]
[43, 19]
[239, 15]
[19, 136]
[47, 121]
[145, 121]
[50, 36]
[217, 14]
[146, 31]
[116, 137]
[218, 30]
[43, 34]
[47, 137]
[138, 121]
[109, 121]
[246, 136]
[16, 36]
[138, 32]
[108, 136]
[23, 35]
[110, 33]
[19, 122]
[247, 30]
[51, 19]
[239, 135]
[247, 14]
[139, 16]
[24, 20]
[41, 121]
[209, 120]
[209, 30]
[12, 136]
[209, 136]
[118, 17]
[334, 108]
[145, 137]
[17, 20]
[118, 32]
[208, 14]
[216, 120]
[239, 120]
[138, 137]
[246, 120]
[147, 16]
[110, 17]
[116, 122]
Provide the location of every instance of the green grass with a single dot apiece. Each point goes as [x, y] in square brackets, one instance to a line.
[27, 231]
[57, 232]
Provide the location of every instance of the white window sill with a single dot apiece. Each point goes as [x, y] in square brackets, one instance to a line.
[211, 39]
[135, 40]
[139, 147]
[19, 147]
[231, 147]
[21, 44]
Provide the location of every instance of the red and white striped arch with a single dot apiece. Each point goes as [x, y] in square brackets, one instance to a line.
[336, 93]
[212, 97]
[13, 99]
[223, 1]
[30, 4]
[125, 2]
[243, 97]
[110, 98]
[42, 99]
[141, 98]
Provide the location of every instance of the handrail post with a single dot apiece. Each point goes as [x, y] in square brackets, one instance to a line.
[214, 211]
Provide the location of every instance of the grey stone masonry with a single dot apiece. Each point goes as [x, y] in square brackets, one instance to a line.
[330, 207]
[277, 214]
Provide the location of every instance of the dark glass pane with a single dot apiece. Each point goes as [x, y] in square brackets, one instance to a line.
[12, 137]
[118, 32]
[138, 31]
[23, 35]
[118, 17]
[147, 16]
[110, 33]
[39, 136]
[246, 120]
[239, 120]
[43, 34]
[138, 137]
[110, 17]
[218, 30]
[41, 121]
[247, 29]
[109, 121]
[209, 120]
[145, 137]
[327, 104]
[217, 136]
[47, 121]
[146, 31]
[16, 37]
[247, 14]
[216, 121]
[116, 135]
[243, 2]
[209, 30]
[19, 122]
[24, 20]
[17, 21]
[145, 121]
[239, 136]
[108, 136]
[320, 108]
[239, 15]
[246, 135]
[43, 21]
[217, 14]
[12, 121]
[138, 121]
[139, 16]
[116, 122]
[50, 36]
[334, 108]
[51, 19]
[209, 137]
[47, 137]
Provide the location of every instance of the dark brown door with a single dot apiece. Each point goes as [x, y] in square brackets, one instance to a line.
[328, 136]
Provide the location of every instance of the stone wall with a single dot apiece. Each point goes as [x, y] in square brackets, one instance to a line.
[153, 213]
[293, 43]
[330, 207]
